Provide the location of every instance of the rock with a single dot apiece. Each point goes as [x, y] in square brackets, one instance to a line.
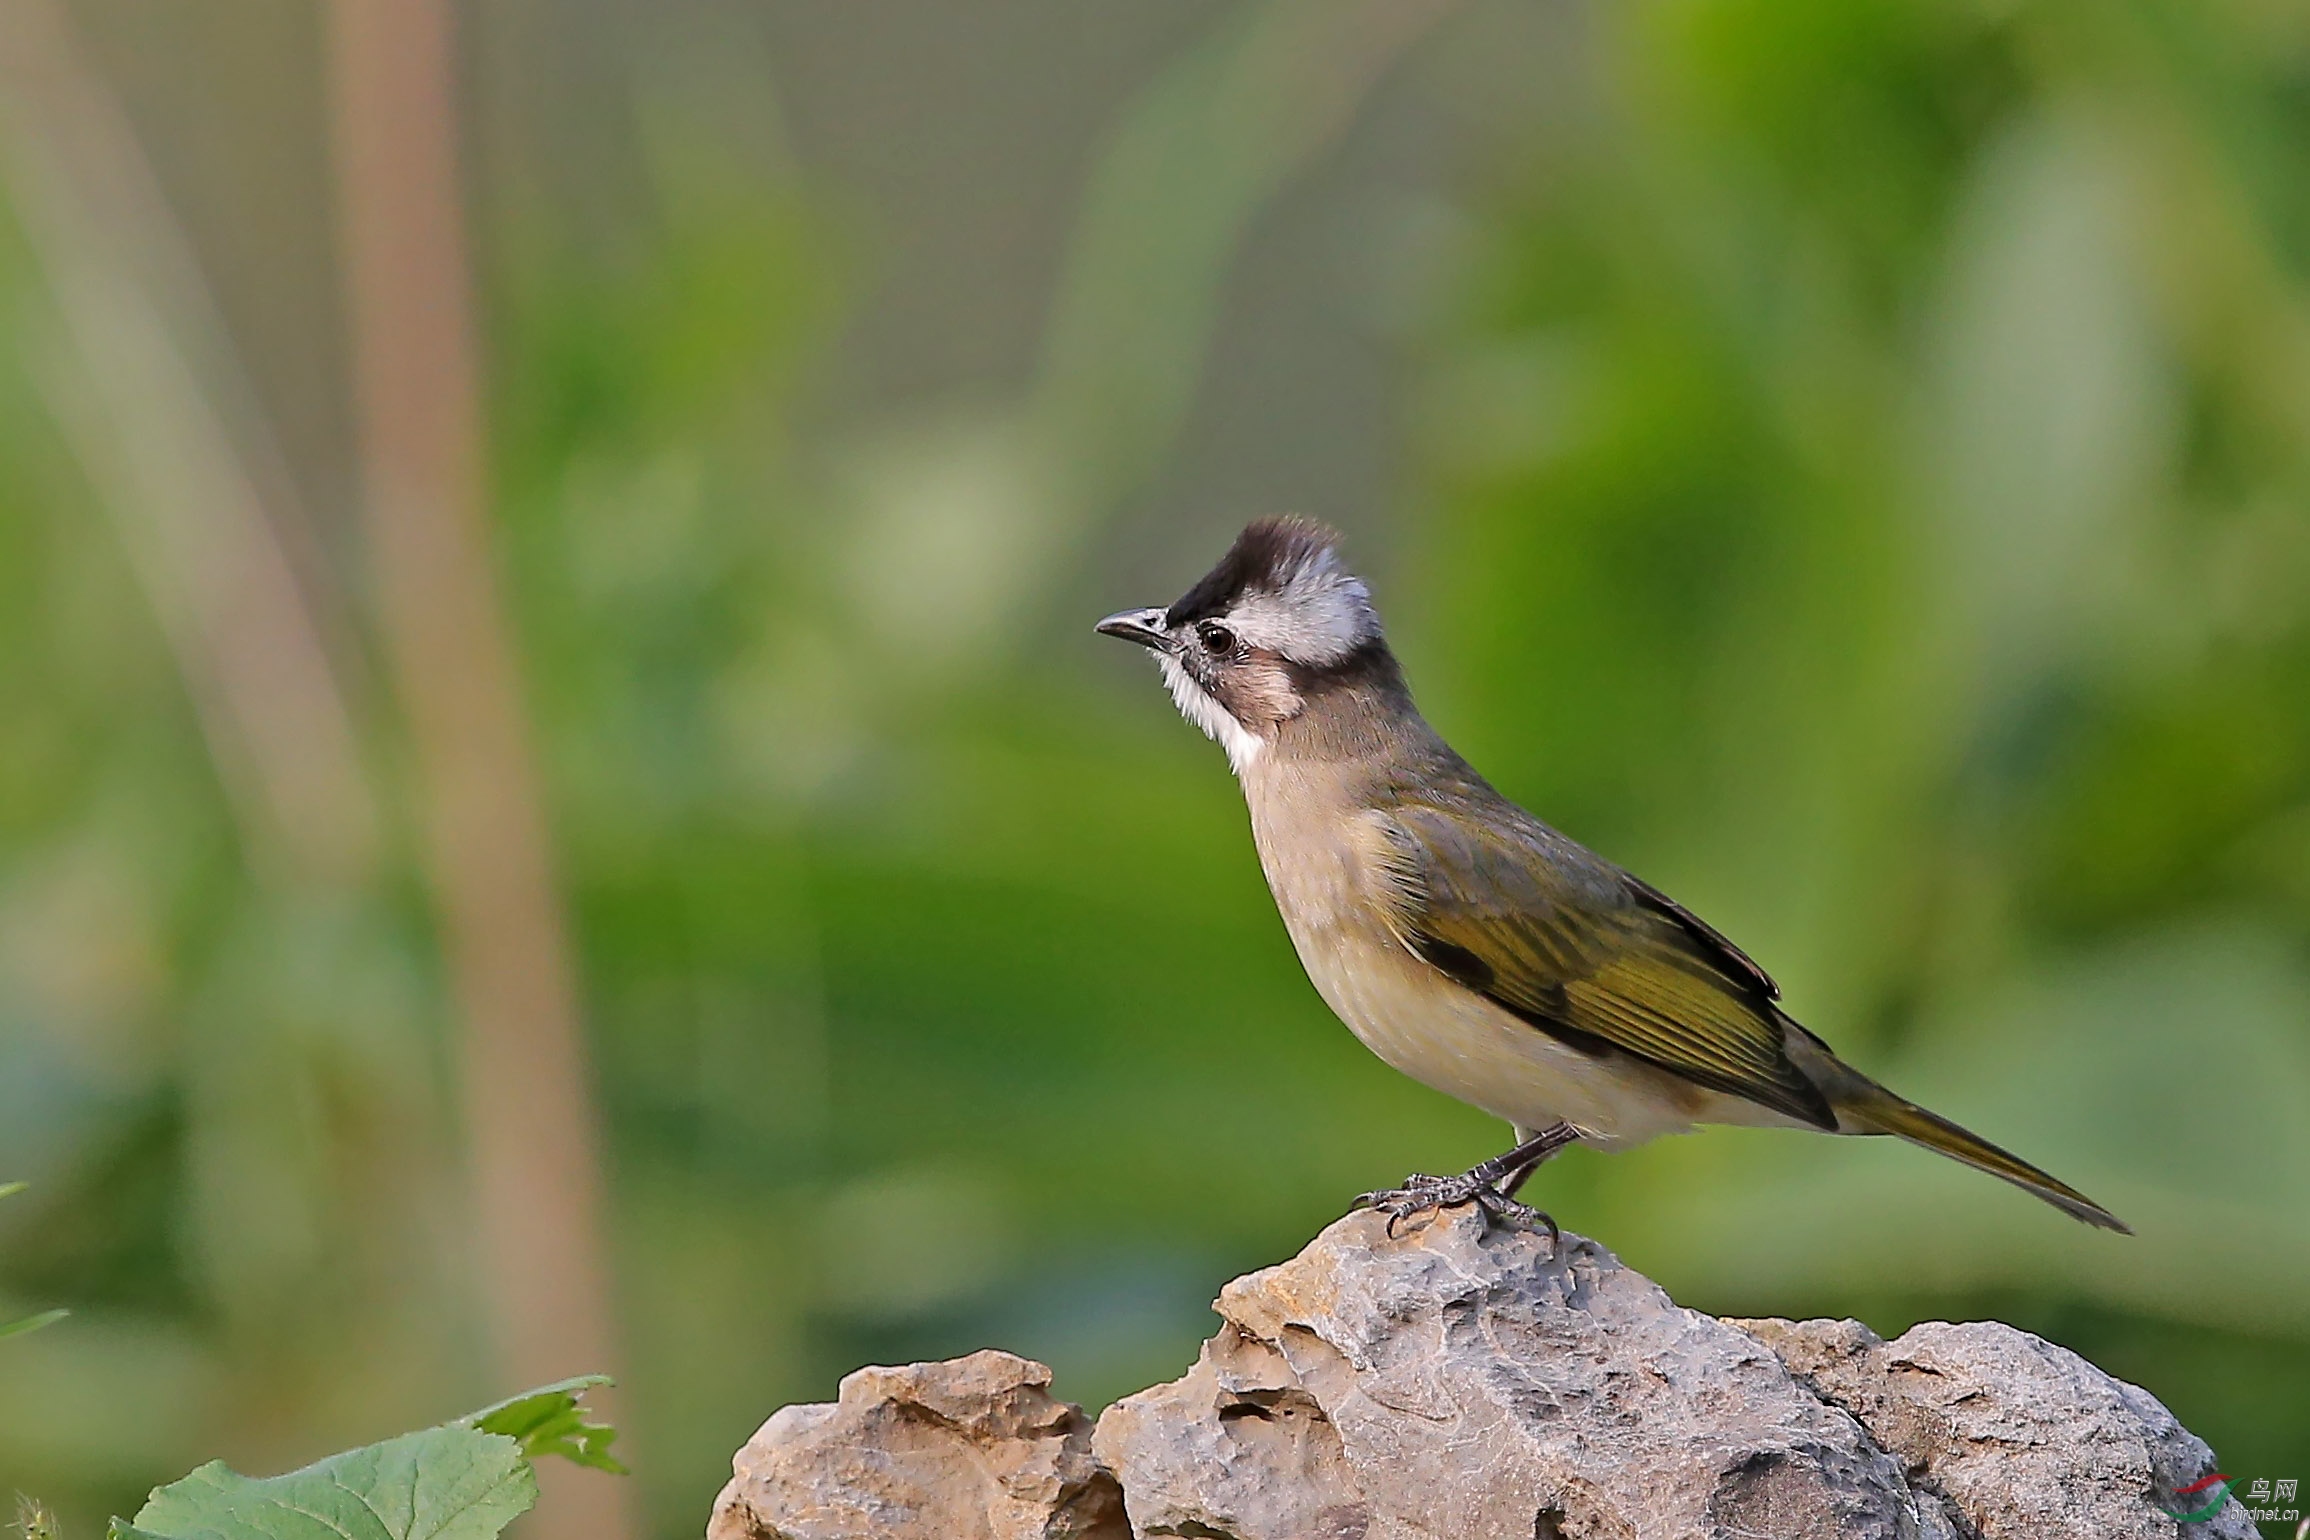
[1457, 1382]
[1460, 1383]
[2017, 1436]
[971, 1449]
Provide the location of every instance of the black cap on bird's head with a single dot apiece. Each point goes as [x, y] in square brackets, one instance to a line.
[1281, 588]
[1237, 646]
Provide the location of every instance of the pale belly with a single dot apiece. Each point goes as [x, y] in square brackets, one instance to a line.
[1461, 1044]
[1328, 879]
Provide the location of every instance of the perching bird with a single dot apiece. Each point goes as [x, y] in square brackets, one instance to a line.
[1463, 940]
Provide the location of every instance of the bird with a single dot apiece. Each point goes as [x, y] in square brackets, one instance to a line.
[1465, 942]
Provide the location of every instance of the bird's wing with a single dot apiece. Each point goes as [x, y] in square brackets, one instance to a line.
[1732, 959]
[1581, 950]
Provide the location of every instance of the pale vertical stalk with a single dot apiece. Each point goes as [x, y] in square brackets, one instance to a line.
[134, 360]
[529, 1124]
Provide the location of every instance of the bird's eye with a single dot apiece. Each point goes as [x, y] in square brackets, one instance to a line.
[1216, 637]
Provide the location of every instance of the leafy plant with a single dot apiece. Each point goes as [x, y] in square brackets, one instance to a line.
[30, 1322]
[552, 1420]
[464, 1480]
[33, 1517]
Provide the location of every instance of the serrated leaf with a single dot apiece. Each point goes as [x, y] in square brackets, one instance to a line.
[452, 1483]
[552, 1420]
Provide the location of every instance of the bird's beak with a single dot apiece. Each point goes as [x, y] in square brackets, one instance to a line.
[1142, 626]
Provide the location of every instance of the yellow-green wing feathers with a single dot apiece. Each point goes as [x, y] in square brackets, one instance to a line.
[1587, 953]
[1582, 951]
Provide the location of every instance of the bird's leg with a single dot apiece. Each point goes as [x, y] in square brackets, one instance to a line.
[1537, 1149]
[1489, 1186]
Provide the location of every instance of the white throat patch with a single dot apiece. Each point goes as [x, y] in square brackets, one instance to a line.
[1319, 614]
[1242, 744]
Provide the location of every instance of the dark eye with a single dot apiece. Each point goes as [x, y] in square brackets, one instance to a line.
[1216, 637]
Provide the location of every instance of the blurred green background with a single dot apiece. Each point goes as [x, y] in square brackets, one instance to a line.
[1848, 460]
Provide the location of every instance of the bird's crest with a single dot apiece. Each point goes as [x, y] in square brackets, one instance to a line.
[1282, 586]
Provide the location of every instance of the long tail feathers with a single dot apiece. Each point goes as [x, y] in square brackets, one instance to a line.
[1879, 1111]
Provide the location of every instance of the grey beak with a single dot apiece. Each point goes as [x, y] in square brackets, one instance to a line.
[1142, 626]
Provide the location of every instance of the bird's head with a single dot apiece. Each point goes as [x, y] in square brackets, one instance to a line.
[1241, 648]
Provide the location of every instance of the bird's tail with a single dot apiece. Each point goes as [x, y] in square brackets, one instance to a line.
[1868, 1108]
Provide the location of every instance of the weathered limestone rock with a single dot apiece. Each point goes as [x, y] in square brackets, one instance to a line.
[2018, 1437]
[1455, 1382]
[971, 1449]
[1459, 1383]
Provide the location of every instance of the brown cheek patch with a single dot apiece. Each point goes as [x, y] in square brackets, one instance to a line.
[1258, 690]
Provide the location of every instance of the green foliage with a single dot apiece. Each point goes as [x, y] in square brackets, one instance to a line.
[30, 1322]
[551, 1420]
[465, 1480]
[34, 1519]
[442, 1484]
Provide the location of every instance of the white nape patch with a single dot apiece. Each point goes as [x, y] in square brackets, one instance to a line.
[1319, 614]
[1242, 744]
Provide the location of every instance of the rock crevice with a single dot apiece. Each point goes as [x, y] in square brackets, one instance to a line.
[1458, 1382]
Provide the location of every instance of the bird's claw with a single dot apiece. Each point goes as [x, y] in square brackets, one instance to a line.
[1424, 1194]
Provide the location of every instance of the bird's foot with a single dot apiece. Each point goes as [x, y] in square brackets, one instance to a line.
[1424, 1194]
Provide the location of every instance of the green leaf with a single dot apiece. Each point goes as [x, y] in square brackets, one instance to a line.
[30, 1322]
[453, 1483]
[33, 1322]
[552, 1420]
[465, 1480]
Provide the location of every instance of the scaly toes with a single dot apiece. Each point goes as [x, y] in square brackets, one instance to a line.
[1424, 1194]
[1420, 1194]
[1416, 1190]
[1518, 1216]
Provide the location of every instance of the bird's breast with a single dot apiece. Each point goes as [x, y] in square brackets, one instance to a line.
[1325, 858]
[1328, 866]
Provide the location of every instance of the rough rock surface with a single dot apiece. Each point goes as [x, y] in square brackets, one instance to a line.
[2011, 1434]
[1459, 1382]
[971, 1449]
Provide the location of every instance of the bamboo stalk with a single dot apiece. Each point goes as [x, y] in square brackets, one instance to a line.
[530, 1127]
[142, 379]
